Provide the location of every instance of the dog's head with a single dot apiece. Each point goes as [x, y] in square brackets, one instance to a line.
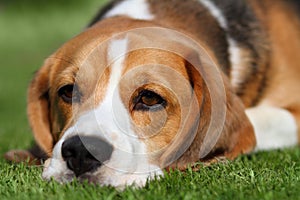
[124, 100]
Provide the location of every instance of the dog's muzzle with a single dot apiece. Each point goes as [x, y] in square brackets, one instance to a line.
[85, 154]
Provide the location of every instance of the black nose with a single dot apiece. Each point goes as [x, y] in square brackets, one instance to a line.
[85, 154]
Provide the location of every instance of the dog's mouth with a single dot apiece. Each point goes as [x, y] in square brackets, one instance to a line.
[57, 170]
[63, 174]
[89, 178]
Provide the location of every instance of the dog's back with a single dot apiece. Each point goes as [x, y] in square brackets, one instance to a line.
[242, 33]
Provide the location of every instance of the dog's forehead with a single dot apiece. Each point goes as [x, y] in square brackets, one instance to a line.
[114, 63]
[150, 57]
[106, 57]
[94, 50]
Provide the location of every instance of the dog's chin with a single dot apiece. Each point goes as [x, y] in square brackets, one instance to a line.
[103, 176]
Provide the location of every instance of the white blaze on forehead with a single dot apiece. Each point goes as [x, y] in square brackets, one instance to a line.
[116, 53]
[112, 104]
[136, 9]
[237, 68]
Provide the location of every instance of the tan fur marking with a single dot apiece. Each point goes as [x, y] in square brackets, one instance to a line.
[151, 68]
[283, 26]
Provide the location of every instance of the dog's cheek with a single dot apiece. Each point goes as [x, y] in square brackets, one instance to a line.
[162, 132]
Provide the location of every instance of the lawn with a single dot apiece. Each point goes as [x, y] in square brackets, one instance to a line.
[30, 30]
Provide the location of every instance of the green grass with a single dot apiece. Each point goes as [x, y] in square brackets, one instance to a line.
[267, 175]
[32, 30]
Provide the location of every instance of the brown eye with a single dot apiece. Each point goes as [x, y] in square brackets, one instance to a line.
[69, 94]
[147, 100]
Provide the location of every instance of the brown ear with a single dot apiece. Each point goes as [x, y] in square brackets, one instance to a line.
[38, 109]
[38, 116]
[238, 134]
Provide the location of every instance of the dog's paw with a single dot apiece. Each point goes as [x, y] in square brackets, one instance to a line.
[22, 156]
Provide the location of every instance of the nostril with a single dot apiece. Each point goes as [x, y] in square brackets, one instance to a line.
[67, 153]
[80, 166]
[72, 166]
[85, 154]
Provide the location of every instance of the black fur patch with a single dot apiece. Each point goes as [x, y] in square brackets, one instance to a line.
[243, 26]
[245, 29]
[103, 11]
[295, 4]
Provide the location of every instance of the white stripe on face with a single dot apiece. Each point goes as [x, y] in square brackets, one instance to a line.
[274, 127]
[136, 9]
[129, 161]
[237, 76]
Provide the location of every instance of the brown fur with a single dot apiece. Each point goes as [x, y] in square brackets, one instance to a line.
[283, 27]
[50, 117]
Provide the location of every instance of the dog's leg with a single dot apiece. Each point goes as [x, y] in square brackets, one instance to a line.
[274, 127]
[32, 156]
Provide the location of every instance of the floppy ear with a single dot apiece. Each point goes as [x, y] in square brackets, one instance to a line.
[39, 120]
[238, 134]
[227, 138]
[38, 109]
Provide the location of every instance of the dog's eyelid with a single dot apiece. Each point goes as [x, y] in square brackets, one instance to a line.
[69, 93]
[148, 100]
[64, 85]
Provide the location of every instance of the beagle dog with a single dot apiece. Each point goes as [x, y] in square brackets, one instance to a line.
[154, 85]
